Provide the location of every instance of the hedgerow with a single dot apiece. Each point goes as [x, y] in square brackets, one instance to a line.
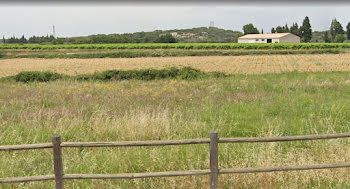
[177, 52]
[186, 73]
[180, 46]
[32, 76]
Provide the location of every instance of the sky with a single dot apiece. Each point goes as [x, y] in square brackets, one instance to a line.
[81, 20]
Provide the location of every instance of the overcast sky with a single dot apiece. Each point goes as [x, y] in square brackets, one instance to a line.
[75, 20]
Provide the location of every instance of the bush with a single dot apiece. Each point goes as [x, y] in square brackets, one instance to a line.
[186, 73]
[167, 38]
[32, 76]
[339, 38]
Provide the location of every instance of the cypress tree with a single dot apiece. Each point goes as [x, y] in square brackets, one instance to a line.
[306, 31]
[273, 30]
[336, 28]
[326, 37]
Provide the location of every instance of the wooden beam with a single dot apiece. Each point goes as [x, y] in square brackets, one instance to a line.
[57, 159]
[288, 168]
[283, 138]
[27, 179]
[137, 175]
[214, 160]
[25, 147]
[135, 143]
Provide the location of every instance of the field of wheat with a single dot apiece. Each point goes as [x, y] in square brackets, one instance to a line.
[257, 64]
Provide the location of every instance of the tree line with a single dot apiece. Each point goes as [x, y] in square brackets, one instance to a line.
[191, 35]
[33, 39]
[335, 34]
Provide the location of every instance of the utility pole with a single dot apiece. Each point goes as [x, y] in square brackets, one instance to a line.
[53, 31]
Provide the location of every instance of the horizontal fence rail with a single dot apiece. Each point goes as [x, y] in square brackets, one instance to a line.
[27, 179]
[174, 142]
[214, 170]
[283, 138]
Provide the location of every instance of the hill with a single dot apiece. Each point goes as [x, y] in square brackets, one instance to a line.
[193, 35]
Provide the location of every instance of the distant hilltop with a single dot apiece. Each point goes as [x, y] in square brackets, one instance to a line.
[191, 35]
[194, 35]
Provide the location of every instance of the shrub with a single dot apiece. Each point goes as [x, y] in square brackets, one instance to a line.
[32, 76]
[186, 73]
[339, 38]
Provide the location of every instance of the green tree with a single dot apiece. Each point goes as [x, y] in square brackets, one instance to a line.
[250, 29]
[348, 31]
[262, 31]
[294, 29]
[3, 39]
[57, 41]
[339, 38]
[23, 39]
[336, 28]
[306, 31]
[273, 30]
[167, 38]
[279, 29]
[326, 37]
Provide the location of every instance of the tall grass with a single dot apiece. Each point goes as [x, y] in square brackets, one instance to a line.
[236, 106]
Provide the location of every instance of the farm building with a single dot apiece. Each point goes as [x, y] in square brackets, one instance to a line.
[269, 38]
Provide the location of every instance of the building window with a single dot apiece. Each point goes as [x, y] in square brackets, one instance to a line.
[256, 39]
[262, 39]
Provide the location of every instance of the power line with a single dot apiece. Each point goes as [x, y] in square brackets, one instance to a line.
[211, 24]
[53, 31]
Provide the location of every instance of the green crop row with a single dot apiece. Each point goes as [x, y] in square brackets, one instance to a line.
[175, 52]
[179, 46]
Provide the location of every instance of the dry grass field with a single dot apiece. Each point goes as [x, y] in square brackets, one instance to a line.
[257, 64]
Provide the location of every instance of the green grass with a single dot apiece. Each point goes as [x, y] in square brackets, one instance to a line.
[180, 46]
[236, 106]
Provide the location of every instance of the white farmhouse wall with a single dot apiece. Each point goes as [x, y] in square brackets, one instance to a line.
[246, 40]
[262, 38]
[275, 40]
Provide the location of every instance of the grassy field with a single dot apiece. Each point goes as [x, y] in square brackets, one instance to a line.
[237, 106]
[266, 95]
[256, 64]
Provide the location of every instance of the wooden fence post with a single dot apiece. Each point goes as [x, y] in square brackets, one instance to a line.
[214, 160]
[57, 160]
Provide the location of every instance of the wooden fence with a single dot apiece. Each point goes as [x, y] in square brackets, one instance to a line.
[213, 170]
